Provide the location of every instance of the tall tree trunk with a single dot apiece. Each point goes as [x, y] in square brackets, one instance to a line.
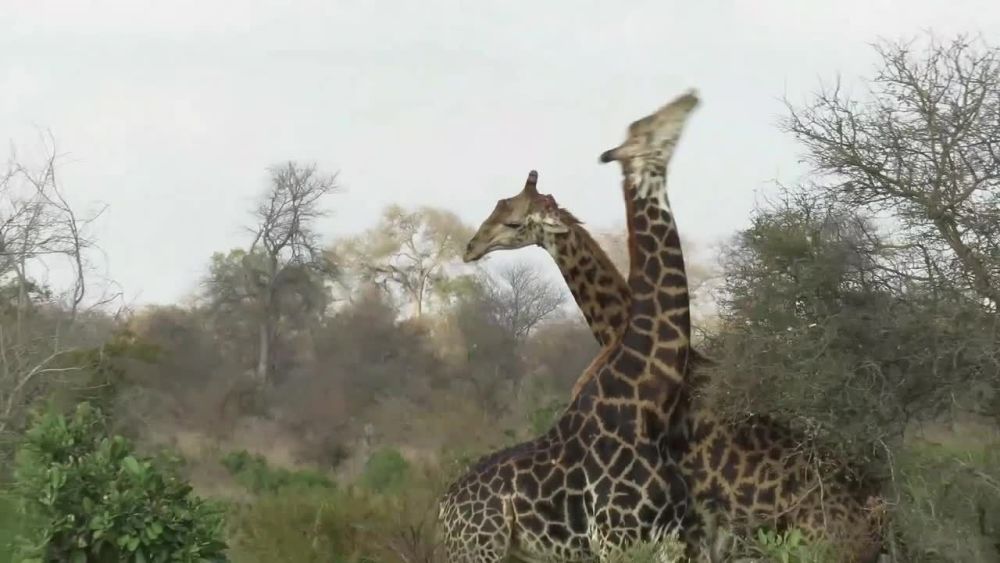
[420, 298]
[269, 324]
[264, 353]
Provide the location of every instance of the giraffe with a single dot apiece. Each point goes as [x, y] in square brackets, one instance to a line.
[598, 288]
[605, 475]
[741, 473]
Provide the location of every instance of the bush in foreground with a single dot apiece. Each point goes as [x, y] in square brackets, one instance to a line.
[95, 501]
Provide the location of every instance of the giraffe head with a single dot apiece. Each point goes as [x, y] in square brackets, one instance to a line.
[517, 222]
[646, 137]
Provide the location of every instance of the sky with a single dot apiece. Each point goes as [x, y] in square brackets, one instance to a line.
[168, 114]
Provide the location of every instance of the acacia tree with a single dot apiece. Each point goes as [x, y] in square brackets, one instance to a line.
[408, 251]
[858, 334]
[285, 263]
[825, 328]
[923, 148]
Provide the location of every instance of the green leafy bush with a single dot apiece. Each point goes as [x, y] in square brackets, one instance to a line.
[298, 526]
[95, 501]
[253, 472]
[789, 547]
[385, 471]
[950, 503]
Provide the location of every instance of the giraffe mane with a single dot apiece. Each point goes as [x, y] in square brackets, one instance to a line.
[599, 253]
[567, 217]
[571, 220]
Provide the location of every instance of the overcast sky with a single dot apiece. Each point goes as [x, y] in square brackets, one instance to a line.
[170, 112]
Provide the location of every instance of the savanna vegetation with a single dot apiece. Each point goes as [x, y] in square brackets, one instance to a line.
[312, 400]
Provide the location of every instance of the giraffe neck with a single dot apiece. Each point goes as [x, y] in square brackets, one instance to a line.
[596, 284]
[659, 319]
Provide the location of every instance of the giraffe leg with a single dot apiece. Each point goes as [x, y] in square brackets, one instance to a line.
[698, 532]
[611, 537]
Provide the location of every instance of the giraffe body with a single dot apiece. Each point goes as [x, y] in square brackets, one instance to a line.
[607, 474]
[742, 474]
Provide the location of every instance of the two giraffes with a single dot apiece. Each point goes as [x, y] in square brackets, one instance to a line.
[634, 458]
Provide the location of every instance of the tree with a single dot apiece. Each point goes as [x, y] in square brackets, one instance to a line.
[408, 251]
[819, 326]
[285, 263]
[924, 148]
[521, 298]
[239, 299]
[858, 329]
[37, 224]
[492, 366]
[823, 327]
[39, 231]
[374, 355]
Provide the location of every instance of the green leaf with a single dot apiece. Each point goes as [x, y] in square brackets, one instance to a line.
[795, 536]
[132, 465]
[79, 556]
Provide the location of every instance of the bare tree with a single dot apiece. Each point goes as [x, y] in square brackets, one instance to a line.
[924, 148]
[522, 298]
[39, 231]
[286, 240]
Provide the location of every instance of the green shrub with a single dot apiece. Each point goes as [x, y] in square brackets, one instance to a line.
[386, 471]
[95, 501]
[950, 503]
[253, 472]
[788, 547]
[297, 526]
[379, 519]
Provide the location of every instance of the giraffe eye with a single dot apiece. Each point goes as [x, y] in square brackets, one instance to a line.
[512, 225]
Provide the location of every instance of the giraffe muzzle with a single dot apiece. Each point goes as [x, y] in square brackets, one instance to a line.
[472, 253]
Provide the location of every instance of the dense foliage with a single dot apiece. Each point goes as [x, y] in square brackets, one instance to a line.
[95, 500]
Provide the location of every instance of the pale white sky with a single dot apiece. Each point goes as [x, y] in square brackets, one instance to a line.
[169, 112]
